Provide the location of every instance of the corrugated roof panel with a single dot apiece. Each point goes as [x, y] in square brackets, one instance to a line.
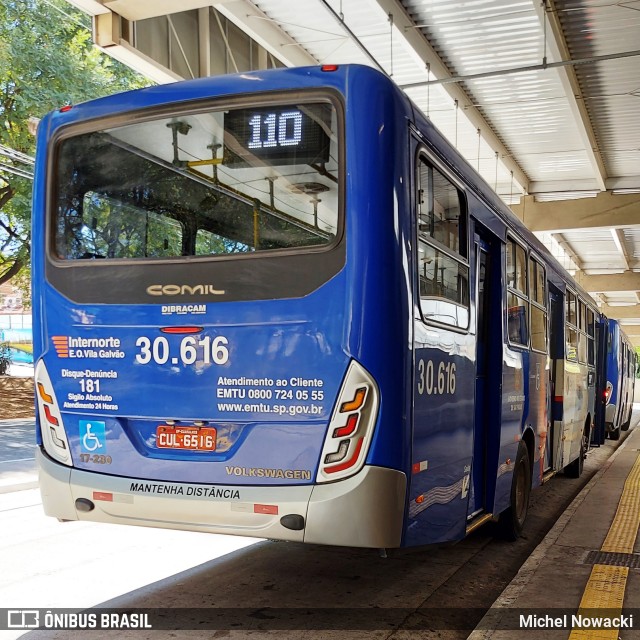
[534, 118]
[621, 298]
[597, 27]
[371, 26]
[322, 37]
[528, 110]
[632, 243]
[478, 41]
[611, 89]
[540, 128]
[597, 250]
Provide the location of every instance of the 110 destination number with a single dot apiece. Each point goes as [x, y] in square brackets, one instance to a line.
[207, 350]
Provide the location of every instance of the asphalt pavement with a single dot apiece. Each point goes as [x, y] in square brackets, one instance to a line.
[17, 455]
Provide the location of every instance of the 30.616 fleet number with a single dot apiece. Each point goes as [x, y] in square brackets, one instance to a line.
[436, 378]
[204, 349]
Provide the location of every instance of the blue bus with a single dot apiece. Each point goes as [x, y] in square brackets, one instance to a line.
[620, 377]
[279, 304]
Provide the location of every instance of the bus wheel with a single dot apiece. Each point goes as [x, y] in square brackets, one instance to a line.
[511, 521]
[574, 469]
[615, 434]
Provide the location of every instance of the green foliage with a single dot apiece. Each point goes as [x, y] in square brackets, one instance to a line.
[47, 60]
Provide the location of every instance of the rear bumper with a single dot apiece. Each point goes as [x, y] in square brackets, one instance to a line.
[610, 416]
[366, 510]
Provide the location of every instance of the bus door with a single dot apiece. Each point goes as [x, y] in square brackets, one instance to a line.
[553, 452]
[598, 433]
[488, 362]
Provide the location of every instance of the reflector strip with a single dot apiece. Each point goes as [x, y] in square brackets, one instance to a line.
[270, 509]
[350, 462]
[356, 403]
[558, 399]
[420, 466]
[103, 496]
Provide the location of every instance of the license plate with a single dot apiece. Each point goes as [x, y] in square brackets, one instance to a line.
[186, 438]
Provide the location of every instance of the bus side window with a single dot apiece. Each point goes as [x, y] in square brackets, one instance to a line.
[517, 298]
[582, 332]
[538, 300]
[591, 337]
[571, 328]
[441, 210]
[443, 271]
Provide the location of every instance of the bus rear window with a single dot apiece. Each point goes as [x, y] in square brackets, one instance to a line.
[200, 184]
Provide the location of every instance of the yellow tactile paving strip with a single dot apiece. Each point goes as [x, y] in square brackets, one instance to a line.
[606, 586]
[624, 529]
[605, 590]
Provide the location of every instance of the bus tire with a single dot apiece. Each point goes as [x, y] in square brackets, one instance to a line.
[615, 433]
[574, 469]
[511, 522]
[627, 424]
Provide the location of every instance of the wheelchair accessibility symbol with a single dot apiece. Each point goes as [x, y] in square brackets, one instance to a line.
[92, 436]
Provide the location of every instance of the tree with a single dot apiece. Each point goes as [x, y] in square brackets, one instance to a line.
[47, 60]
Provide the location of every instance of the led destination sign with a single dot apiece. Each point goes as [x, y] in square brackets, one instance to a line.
[281, 135]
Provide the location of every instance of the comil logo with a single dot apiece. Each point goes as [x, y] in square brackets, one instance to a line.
[184, 290]
[61, 344]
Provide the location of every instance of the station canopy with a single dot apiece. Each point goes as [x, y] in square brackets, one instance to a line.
[541, 97]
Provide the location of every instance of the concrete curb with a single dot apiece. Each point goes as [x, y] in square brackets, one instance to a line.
[9, 422]
[20, 486]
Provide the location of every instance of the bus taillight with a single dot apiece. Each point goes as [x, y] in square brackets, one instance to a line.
[607, 393]
[351, 426]
[54, 436]
[350, 462]
[356, 403]
[181, 330]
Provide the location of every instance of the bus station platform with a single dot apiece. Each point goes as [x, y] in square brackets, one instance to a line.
[586, 570]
